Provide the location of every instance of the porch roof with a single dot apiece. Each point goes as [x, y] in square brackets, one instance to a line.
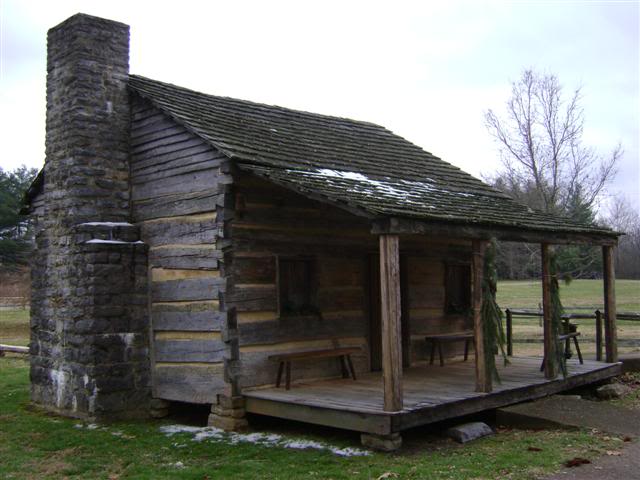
[355, 165]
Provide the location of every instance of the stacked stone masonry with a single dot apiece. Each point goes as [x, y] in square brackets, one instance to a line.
[89, 320]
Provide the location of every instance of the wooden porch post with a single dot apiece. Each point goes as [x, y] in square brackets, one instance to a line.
[550, 343]
[483, 377]
[609, 277]
[391, 335]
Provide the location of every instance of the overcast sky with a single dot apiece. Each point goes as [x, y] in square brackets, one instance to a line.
[426, 70]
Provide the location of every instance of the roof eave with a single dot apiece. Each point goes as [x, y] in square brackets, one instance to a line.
[399, 225]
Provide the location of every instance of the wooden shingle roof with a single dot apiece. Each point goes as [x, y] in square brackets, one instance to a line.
[361, 166]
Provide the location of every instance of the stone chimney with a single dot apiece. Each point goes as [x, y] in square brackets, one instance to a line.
[89, 319]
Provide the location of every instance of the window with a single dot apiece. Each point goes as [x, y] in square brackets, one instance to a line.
[296, 286]
[458, 288]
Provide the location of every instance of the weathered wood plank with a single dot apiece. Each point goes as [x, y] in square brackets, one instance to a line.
[253, 298]
[187, 316]
[175, 205]
[184, 290]
[181, 257]
[254, 270]
[609, 280]
[390, 312]
[182, 230]
[189, 350]
[371, 423]
[287, 329]
[194, 181]
[191, 384]
[175, 169]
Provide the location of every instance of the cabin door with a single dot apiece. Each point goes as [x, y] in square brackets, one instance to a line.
[375, 315]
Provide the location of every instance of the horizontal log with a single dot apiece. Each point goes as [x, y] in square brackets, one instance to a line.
[184, 290]
[254, 270]
[181, 230]
[513, 234]
[13, 349]
[175, 205]
[426, 297]
[175, 161]
[159, 274]
[200, 180]
[253, 298]
[193, 350]
[288, 329]
[175, 169]
[188, 383]
[187, 258]
[189, 316]
[338, 299]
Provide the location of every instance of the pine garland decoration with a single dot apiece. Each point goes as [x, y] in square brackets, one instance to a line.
[492, 318]
[557, 310]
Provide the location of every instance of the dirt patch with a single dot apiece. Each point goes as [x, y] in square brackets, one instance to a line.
[53, 464]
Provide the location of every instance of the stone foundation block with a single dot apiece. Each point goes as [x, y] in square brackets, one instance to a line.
[382, 443]
[228, 424]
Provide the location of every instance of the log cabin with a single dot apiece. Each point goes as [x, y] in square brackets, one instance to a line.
[194, 248]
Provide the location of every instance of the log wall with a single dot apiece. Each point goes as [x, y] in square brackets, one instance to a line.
[177, 190]
[269, 222]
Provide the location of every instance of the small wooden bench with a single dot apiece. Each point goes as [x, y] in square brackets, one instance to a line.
[566, 338]
[437, 341]
[285, 360]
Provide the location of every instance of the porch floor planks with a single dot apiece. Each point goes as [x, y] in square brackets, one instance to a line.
[427, 390]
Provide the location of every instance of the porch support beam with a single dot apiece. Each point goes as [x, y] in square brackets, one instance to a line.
[391, 318]
[609, 277]
[550, 343]
[483, 376]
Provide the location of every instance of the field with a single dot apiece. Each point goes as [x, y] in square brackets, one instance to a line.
[527, 331]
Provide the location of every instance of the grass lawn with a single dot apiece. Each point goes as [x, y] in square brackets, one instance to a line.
[14, 326]
[35, 445]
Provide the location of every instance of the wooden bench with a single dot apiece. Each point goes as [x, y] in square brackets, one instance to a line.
[566, 338]
[437, 341]
[285, 360]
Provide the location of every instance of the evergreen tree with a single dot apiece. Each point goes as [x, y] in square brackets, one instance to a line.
[15, 229]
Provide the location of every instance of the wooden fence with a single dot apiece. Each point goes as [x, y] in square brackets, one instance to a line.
[597, 315]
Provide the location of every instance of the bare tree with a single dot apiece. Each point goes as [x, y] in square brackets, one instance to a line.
[623, 218]
[540, 142]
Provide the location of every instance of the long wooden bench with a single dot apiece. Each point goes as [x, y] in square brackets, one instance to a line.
[285, 360]
[437, 341]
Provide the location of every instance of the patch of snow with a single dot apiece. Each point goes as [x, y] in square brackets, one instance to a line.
[114, 242]
[258, 438]
[107, 224]
[406, 191]
[92, 426]
[326, 172]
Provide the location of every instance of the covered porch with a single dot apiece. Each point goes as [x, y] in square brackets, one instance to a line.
[430, 394]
